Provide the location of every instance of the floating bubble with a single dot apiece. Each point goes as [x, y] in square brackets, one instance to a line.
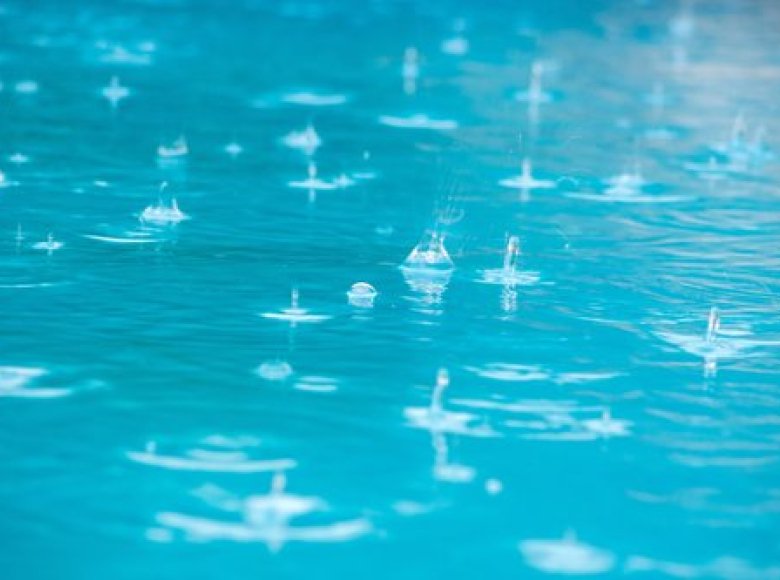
[493, 486]
[275, 370]
[362, 295]
[233, 149]
[430, 255]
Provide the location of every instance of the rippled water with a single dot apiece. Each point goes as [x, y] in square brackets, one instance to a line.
[169, 411]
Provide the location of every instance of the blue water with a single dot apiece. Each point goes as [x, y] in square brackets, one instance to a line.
[163, 412]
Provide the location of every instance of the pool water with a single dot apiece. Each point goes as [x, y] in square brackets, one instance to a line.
[575, 372]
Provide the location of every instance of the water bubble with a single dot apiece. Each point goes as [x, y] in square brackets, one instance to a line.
[275, 370]
[362, 295]
[233, 149]
[493, 486]
[429, 255]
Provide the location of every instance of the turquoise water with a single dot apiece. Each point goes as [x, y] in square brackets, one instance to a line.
[165, 414]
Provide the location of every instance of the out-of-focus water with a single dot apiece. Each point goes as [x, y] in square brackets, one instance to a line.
[166, 413]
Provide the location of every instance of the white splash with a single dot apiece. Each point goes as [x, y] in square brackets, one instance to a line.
[209, 461]
[312, 182]
[510, 274]
[429, 255]
[316, 384]
[628, 187]
[267, 519]
[16, 382]
[49, 245]
[526, 180]
[307, 140]
[163, 214]
[510, 372]
[712, 169]
[716, 343]
[122, 240]
[534, 94]
[314, 99]
[443, 468]
[294, 313]
[606, 426]
[566, 556]
[436, 419]
[115, 92]
[176, 150]
[418, 121]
